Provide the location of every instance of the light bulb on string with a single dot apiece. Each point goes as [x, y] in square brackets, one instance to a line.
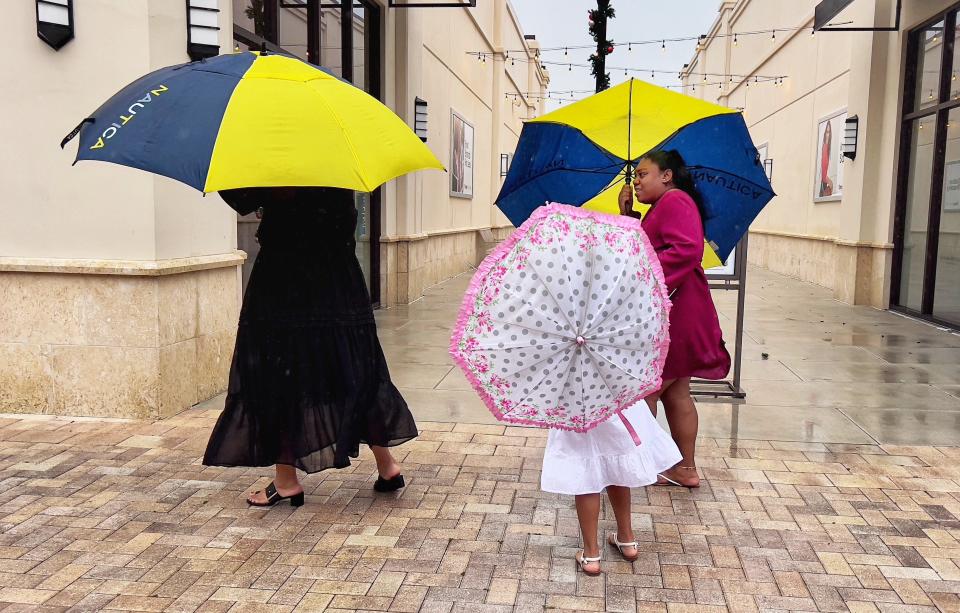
[773, 36]
[652, 76]
[812, 31]
[569, 67]
[734, 40]
[663, 46]
[565, 51]
[629, 46]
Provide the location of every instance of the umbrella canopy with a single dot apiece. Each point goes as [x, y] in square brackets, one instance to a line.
[252, 120]
[565, 323]
[581, 154]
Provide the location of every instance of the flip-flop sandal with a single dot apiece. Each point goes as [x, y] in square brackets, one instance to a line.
[612, 539]
[665, 481]
[583, 561]
[273, 497]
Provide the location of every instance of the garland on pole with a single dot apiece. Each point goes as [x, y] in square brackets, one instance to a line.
[598, 30]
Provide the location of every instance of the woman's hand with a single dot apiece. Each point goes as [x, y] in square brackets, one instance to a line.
[626, 200]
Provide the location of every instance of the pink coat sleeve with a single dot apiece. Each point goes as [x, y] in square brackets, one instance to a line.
[681, 237]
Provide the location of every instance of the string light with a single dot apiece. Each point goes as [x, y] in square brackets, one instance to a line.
[663, 46]
[662, 41]
[734, 40]
[773, 36]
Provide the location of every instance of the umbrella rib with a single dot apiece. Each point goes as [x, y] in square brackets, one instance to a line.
[613, 364]
[593, 171]
[538, 362]
[523, 327]
[534, 387]
[346, 138]
[556, 303]
[582, 323]
[613, 287]
[600, 372]
[583, 404]
[519, 296]
[631, 295]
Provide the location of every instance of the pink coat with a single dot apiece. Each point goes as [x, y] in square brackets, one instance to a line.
[696, 342]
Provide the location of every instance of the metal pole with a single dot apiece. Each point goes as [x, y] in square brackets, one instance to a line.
[741, 303]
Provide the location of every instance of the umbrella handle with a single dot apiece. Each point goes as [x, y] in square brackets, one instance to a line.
[628, 174]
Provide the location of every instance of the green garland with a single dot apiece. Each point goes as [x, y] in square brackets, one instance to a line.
[605, 47]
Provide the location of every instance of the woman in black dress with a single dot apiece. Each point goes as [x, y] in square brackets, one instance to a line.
[309, 382]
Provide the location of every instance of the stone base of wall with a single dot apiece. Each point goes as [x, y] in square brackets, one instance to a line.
[411, 264]
[857, 273]
[109, 339]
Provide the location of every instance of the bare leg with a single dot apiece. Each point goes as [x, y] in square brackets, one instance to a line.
[386, 465]
[620, 501]
[588, 512]
[286, 482]
[682, 416]
[654, 398]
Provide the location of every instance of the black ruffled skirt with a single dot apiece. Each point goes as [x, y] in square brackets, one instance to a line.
[309, 382]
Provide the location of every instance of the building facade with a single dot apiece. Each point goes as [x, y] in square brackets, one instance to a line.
[878, 225]
[121, 289]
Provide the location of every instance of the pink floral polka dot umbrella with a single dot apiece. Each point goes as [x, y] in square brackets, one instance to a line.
[566, 322]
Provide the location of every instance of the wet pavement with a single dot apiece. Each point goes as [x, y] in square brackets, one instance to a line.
[814, 369]
[834, 487]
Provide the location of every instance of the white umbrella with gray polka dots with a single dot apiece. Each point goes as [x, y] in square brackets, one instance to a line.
[565, 323]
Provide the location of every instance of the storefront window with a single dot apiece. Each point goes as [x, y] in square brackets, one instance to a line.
[918, 204]
[929, 58]
[927, 238]
[946, 298]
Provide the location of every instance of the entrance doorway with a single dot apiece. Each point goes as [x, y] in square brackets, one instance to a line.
[343, 37]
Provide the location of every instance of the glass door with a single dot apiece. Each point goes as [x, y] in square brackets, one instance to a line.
[926, 267]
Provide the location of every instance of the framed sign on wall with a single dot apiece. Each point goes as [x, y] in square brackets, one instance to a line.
[461, 157]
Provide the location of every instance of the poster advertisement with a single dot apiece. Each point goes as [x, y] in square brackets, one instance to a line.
[828, 162]
[461, 157]
[951, 187]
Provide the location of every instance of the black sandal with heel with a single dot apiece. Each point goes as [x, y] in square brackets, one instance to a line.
[273, 497]
[388, 485]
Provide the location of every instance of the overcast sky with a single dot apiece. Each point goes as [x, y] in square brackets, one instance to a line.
[557, 23]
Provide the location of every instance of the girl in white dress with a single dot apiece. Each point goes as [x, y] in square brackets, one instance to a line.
[607, 457]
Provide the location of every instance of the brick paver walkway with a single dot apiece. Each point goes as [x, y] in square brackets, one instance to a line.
[101, 515]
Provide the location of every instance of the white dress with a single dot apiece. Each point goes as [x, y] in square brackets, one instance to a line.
[575, 463]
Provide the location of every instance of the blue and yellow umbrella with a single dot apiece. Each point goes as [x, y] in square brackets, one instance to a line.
[580, 154]
[252, 120]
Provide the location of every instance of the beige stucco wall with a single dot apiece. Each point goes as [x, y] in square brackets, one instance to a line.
[120, 288]
[844, 243]
[93, 210]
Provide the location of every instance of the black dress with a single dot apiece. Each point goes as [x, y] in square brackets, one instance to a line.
[309, 382]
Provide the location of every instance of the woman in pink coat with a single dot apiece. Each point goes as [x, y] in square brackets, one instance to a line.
[675, 226]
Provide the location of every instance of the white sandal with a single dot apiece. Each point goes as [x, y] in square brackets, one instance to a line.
[612, 539]
[583, 561]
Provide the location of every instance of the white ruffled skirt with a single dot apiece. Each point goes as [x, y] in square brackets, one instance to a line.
[575, 463]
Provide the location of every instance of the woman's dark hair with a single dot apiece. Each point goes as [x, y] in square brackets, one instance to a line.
[672, 160]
